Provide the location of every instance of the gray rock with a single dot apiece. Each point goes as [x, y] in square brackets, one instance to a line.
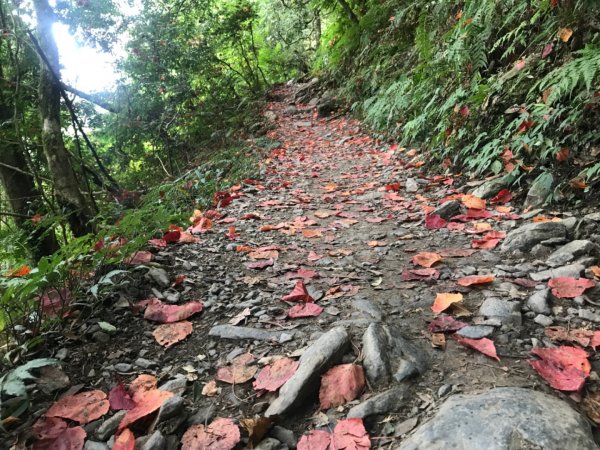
[156, 441]
[475, 331]
[448, 210]
[92, 445]
[526, 236]
[388, 401]
[177, 385]
[538, 301]
[170, 408]
[411, 185]
[586, 314]
[388, 355]
[571, 251]
[404, 427]
[507, 312]
[571, 270]
[539, 191]
[203, 416]
[543, 320]
[502, 419]
[145, 363]
[101, 337]
[492, 187]
[284, 435]
[233, 332]
[316, 359]
[270, 444]
[368, 309]
[159, 276]
[123, 367]
[109, 427]
[270, 116]
[289, 110]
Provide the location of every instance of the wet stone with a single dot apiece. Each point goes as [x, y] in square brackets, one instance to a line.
[177, 385]
[315, 360]
[234, 332]
[109, 427]
[571, 270]
[170, 408]
[526, 236]
[389, 356]
[538, 302]
[501, 419]
[571, 251]
[386, 402]
[447, 210]
[475, 331]
[156, 441]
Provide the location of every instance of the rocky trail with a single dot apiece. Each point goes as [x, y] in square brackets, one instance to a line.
[345, 300]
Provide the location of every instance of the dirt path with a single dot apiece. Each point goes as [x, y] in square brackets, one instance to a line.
[346, 215]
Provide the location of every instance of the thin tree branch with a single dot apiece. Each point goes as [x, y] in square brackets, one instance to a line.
[90, 98]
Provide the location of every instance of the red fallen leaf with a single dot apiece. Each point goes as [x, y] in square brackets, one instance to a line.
[119, 398]
[304, 310]
[445, 323]
[124, 441]
[170, 334]
[485, 345]
[141, 257]
[188, 238]
[479, 228]
[250, 216]
[18, 272]
[455, 252]
[315, 440]
[435, 222]
[308, 233]
[504, 196]
[392, 187]
[158, 243]
[569, 287]
[595, 342]
[221, 434]
[147, 403]
[231, 233]
[454, 226]
[426, 259]
[420, 274]
[298, 294]
[48, 427]
[563, 368]
[475, 279]
[547, 50]
[443, 300]
[495, 235]
[142, 384]
[525, 125]
[485, 243]
[580, 336]
[258, 265]
[273, 376]
[179, 279]
[239, 371]
[376, 219]
[158, 311]
[203, 225]
[37, 218]
[70, 439]
[474, 214]
[341, 384]
[227, 220]
[312, 256]
[82, 408]
[172, 236]
[305, 274]
[350, 434]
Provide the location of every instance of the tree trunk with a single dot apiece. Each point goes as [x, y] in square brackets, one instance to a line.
[66, 185]
[348, 10]
[24, 200]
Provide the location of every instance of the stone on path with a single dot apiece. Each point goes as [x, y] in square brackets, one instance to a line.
[492, 187]
[507, 312]
[388, 356]
[571, 251]
[527, 236]
[320, 356]
[571, 270]
[447, 210]
[388, 401]
[502, 419]
[538, 302]
[475, 331]
[233, 332]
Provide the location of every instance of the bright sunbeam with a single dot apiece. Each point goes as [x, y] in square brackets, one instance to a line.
[85, 68]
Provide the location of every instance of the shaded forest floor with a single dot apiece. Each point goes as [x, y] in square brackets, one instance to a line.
[347, 216]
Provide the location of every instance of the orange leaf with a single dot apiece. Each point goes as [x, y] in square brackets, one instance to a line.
[475, 279]
[170, 334]
[239, 371]
[596, 271]
[18, 272]
[443, 301]
[564, 34]
[473, 202]
[311, 233]
[485, 345]
[341, 384]
[562, 154]
[376, 244]
[221, 434]
[125, 441]
[426, 259]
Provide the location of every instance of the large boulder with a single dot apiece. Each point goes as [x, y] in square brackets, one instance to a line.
[527, 236]
[503, 419]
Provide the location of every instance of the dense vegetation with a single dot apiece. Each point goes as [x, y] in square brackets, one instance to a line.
[487, 87]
